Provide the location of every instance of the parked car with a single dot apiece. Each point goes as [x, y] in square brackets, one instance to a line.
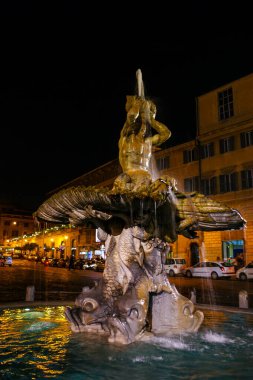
[210, 269]
[6, 260]
[32, 257]
[174, 266]
[100, 266]
[78, 264]
[245, 273]
[62, 263]
[53, 263]
[90, 265]
[17, 255]
[47, 261]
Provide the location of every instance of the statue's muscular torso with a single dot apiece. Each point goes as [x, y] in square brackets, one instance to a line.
[135, 153]
[136, 140]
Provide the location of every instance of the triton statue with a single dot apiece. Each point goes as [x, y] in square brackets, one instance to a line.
[137, 219]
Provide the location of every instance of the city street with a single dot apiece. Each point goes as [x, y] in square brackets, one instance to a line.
[53, 284]
[50, 283]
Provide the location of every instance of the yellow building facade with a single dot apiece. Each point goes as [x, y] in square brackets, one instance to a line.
[219, 164]
[59, 242]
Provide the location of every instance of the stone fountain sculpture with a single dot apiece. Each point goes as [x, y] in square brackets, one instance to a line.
[137, 219]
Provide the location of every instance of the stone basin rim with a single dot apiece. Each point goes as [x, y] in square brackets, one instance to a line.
[28, 304]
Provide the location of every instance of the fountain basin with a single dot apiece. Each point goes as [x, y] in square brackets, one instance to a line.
[36, 342]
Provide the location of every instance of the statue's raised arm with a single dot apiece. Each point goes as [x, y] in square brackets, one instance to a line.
[148, 114]
[163, 133]
[141, 132]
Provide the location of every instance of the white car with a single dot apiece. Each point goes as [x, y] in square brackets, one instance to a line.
[210, 269]
[174, 266]
[245, 273]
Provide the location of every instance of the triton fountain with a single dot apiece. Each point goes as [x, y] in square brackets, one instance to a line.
[137, 219]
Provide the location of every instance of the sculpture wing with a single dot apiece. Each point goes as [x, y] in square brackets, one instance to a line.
[75, 205]
[196, 212]
[177, 213]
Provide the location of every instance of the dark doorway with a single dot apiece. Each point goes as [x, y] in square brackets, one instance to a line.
[194, 249]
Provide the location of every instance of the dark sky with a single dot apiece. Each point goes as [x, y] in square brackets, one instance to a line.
[66, 71]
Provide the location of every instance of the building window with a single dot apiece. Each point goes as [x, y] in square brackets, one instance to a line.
[247, 178]
[163, 163]
[7, 223]
[246, 139]
[191, 184]
[207, 150]
[190, 155]
[26, 224]
[14, 233]
[227, 144]
[225, 104]
[228, 182]
[209, 186]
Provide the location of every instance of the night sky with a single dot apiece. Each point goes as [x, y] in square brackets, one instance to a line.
[66, 71]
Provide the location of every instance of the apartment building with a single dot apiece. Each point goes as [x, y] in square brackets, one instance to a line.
[14, 222]
[218, 164]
